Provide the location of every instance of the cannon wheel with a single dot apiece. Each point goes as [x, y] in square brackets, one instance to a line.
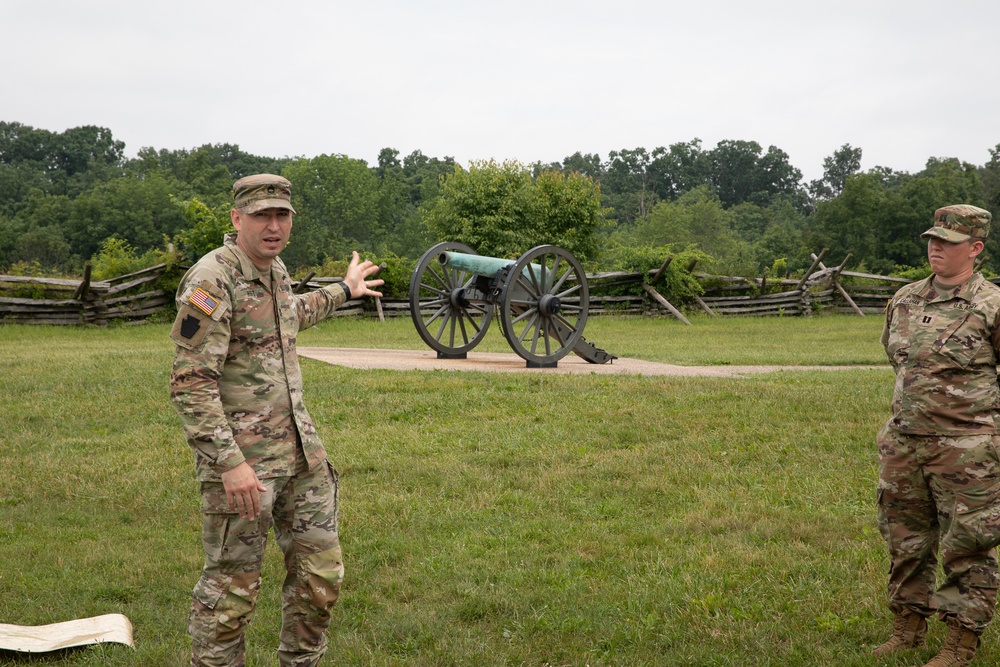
[447, 321]
[544, 305]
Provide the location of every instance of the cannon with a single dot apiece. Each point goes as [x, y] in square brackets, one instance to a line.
[541, 299]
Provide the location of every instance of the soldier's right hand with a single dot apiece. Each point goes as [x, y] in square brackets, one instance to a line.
[243, 490]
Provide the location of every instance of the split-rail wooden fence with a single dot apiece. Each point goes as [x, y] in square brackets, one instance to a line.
[56, 301]
[33, 300]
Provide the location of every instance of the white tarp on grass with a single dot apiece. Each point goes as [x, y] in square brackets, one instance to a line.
[80, 632]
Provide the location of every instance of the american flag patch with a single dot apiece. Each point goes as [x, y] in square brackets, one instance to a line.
[203, 301]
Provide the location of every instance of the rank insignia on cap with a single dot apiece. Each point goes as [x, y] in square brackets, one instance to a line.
[203, 301]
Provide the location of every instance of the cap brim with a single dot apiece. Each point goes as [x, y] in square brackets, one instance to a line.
[261, 204]
[949, 235]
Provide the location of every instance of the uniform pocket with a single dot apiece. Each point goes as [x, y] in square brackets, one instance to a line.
[227, 539]
[335, 483]
[898, 349]
[210, 589]
[962, 351]
[214, 536]
[976, 524]
[964, 343]
[882, 516]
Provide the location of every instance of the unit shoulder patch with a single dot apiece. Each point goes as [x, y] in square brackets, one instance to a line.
[198, 315]
[191, 327]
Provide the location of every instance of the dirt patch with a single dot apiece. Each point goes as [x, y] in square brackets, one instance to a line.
[426, 360]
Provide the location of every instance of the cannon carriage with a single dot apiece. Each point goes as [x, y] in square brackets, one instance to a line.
[541, 299]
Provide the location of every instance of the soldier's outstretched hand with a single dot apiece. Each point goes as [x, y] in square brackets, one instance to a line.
[357, 277]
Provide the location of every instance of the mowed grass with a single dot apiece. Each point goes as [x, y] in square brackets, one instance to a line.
[487, 519]
[823, 341]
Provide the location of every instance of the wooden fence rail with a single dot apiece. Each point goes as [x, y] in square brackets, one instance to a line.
[57, 301]
[33, 300]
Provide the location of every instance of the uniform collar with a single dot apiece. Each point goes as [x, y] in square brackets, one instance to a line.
[966, 291]
[247, 267]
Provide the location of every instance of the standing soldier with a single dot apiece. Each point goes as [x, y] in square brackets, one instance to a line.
[237, 386]
[939, 472]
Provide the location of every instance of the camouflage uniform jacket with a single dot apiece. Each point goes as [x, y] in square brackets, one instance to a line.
[236, 381]
[944, 347]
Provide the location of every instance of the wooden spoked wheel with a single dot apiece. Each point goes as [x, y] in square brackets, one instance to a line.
[543, 309]
[449, 312]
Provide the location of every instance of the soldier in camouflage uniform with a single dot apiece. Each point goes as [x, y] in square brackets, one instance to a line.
[237, 386]
[939, 471]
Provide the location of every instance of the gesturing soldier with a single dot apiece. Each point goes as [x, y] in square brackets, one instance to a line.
[237, 386]
[939, 472]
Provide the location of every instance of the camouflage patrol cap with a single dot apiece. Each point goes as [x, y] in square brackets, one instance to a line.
[260, 191]
[959, 223]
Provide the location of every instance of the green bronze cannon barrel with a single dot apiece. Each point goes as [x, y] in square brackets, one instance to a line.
[480, 264]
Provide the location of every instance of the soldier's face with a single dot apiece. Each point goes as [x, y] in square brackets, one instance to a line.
[948, 260]
[262, 235]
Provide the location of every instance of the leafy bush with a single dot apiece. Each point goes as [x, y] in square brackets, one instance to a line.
[912, 272]
[501, 211]
[33, 269]
[208, 228]
[20, 291]
[675, 284]
[396, 274]
[115, 258]
[118, 258]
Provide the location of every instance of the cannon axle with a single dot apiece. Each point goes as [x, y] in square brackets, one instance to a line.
[549, 305]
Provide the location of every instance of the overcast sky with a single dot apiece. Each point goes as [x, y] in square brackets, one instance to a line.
[521, 80]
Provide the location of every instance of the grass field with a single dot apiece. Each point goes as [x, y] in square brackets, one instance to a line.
[487, 519]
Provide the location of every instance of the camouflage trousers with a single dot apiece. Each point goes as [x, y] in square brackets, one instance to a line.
[302, 509]
[941, 493]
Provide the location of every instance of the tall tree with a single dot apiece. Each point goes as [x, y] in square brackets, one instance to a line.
[399, 199]
[142, 212]
[23, 144]
[589, 165]
[627, 184]
[845, 161]
[37, 234]
[498, 210]
[486, 207]
[991, 182]
[424, 174]
[697, 217]
[88, 148]
[208, 171]
[568, 212]
[62, 163]
[742, 172]
[682, 167]
[337, 203]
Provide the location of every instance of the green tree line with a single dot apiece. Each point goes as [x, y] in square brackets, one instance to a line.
[66, 197]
